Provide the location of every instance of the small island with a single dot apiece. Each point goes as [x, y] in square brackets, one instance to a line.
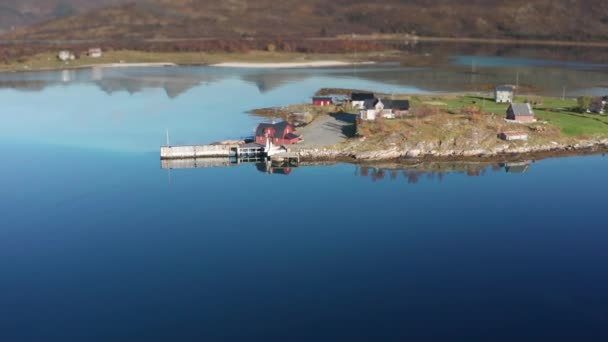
[355, 125]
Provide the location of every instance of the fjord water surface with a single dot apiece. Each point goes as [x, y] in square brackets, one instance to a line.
[99, 243]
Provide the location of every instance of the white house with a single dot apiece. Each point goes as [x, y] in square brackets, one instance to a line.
[95, 53]
[358, 99]
[503, 94]
[65, 56]
[375, 108]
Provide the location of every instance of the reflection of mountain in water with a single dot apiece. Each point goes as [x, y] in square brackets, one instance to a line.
[24, 85]
[173, 87]
[174, 81]
[267, 81]
[445, 78]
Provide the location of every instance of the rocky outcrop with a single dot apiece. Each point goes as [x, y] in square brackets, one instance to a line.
[422, 152]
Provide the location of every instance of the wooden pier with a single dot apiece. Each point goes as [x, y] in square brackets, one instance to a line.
[250, 150]
[212, 151]
[245, 152]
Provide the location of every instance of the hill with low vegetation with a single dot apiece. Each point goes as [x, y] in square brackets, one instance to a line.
[20, 13]
[178, 19]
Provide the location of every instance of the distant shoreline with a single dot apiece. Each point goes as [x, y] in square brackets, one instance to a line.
[47, 61]
[286, 65]
[95, 66]
[235, 65]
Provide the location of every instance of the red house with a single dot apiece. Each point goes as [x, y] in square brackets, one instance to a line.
[281, 133]
[321, 101]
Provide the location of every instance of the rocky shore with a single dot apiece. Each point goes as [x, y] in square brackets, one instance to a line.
[504, 152]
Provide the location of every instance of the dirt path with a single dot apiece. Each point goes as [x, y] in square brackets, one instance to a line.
[327, 130]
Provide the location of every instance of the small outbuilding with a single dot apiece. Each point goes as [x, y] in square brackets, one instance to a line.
[503, 94]
[401, 108]
[65, 56]
[321, 101]
[95, 53]
[598, 105]
[513, 135]
[281, 133]
[520, 112]
[357, 100]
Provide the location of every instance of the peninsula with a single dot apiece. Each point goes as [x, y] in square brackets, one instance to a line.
[470, 127]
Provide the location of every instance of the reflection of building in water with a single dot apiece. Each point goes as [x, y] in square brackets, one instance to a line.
[431, 171]
[261, 164]
[67, 76]
[519, 167]
[267, 166]
[97, 74]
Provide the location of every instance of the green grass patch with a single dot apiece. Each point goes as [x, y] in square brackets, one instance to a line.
[558, 112]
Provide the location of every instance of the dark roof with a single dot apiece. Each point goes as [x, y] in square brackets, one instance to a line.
[322, 98]
[361, 96]
[397, 104]
[370, 103]
[504, 88]
[522, 109]
[251, 145]
[279, 129]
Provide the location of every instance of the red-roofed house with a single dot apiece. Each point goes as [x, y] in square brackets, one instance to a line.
[321, 101]
[281, 133]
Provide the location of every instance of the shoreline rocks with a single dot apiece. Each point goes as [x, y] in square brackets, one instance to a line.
[500, 152]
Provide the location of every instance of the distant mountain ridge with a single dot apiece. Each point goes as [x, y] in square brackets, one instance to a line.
[20, 13]
[172, 19]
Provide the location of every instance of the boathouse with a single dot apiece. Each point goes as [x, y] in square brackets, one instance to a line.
[281, 133]
[520, 112]
[321, 101]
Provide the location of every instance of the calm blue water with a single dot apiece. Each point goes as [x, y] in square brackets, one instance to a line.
[98, 243]
[495, 61]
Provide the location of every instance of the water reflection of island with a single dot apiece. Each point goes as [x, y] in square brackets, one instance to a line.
[436, 171]
[387, 171]
[261, 164]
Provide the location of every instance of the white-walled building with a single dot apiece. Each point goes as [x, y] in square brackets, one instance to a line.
[358, 99]
[504, 94]
[375, 108]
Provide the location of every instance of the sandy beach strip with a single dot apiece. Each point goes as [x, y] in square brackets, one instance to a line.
[285, 65]
[131, 65]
